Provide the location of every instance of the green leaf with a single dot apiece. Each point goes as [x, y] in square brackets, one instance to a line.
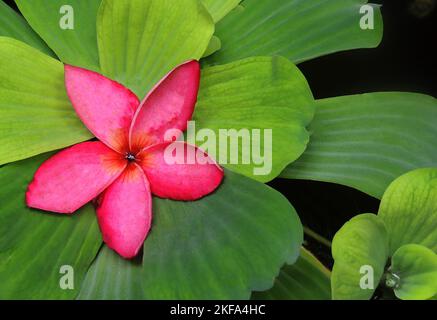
[262, 94]
[409, 209]
[112, 278]
[360, 251]
[35, 113]
[307, 279]
[220, 8]
[34, 245]
[299, 30]
[53, 19]
[14, 26]
[220, 247]
[416, 267]
[367, 141]
[214, 45]
[140, 41]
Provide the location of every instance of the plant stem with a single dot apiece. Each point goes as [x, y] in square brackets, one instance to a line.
[317, 237]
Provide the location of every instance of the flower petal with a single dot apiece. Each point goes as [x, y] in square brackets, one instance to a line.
[104, 106]
[74, 177]
[125, 212]
[180, 171]
[168, 106]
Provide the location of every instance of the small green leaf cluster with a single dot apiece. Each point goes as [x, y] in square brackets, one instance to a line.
[398, 245]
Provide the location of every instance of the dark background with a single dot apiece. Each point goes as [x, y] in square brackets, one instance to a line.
[405, 61]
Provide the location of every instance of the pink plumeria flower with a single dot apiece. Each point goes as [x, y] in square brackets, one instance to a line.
[127, 165]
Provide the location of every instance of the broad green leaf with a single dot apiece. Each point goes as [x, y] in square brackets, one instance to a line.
[367, 141]
[34, 245]
[112, 278]
[307, 279]
[409, 209]
[35, 113]
[224, 246]
[140, 41]
[220, 8]
[416, 267]
[220, 247]
[360, 252]
[214, 45]
[68, 27]
[255, 95]
[14, 26]
[297, 29]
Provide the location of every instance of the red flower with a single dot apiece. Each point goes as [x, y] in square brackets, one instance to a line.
[128, 164]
